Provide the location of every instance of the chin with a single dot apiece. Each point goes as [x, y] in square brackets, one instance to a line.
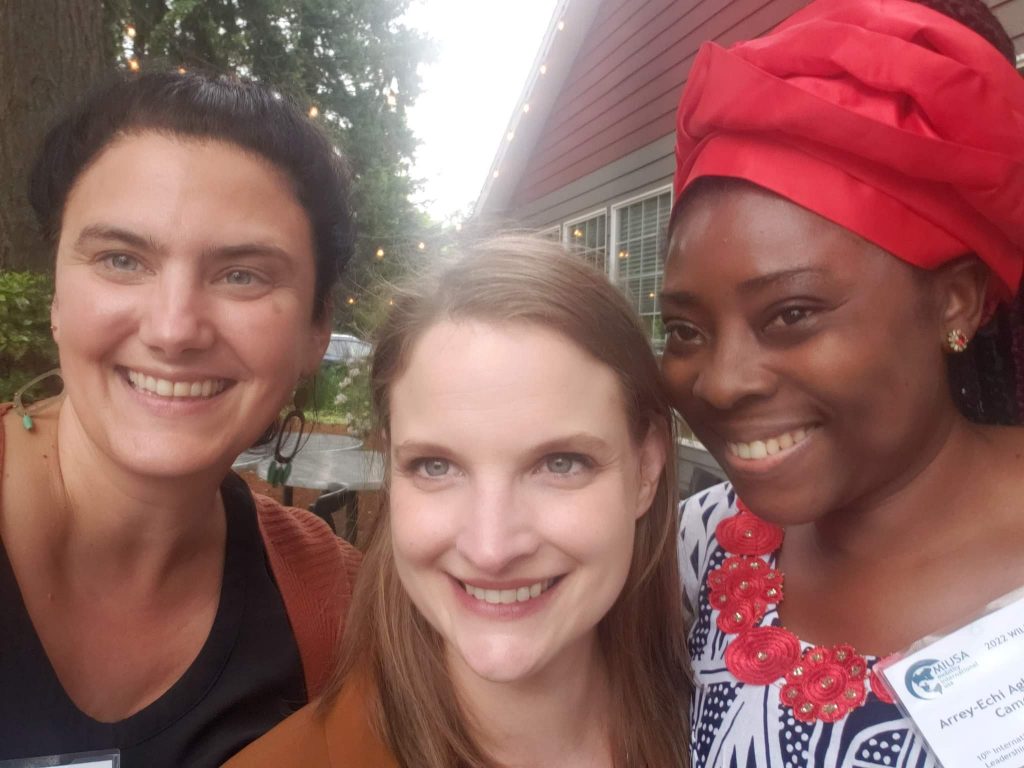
[498, 663]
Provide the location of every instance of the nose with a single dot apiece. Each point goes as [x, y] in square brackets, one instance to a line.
[734, 370]
[497, 529]
[175, 319]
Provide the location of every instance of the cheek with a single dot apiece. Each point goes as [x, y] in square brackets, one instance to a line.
[420, 525]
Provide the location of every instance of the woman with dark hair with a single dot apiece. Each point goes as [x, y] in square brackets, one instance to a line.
[152, 608]
[845, 248]
[520, 600]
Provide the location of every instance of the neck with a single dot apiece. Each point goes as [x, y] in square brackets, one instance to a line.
[114, 526]
[559, 716]
[924, 505]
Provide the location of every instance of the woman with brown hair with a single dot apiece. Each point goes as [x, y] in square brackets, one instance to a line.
[520, 603]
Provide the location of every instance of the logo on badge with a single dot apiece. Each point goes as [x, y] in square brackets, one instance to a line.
[921, 680]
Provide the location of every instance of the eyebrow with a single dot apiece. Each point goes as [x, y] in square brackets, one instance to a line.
[580, 441]
[117, 234]
[753, 285]
[126, 236]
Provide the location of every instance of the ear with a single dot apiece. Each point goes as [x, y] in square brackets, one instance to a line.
[962, 286]
[319, 338]
[653, 455]
[55, 321]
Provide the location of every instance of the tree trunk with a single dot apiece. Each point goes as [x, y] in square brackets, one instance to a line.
[51, 51]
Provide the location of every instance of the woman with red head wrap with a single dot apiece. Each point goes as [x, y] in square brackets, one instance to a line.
[845, 251]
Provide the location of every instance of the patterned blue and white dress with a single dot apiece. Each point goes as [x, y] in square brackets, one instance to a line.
[736, 725]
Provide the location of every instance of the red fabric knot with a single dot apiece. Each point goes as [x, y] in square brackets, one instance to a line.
[736, 617]
[747, 534]
[879, 687]
[826, 684]
[762, 655]
[742, 588]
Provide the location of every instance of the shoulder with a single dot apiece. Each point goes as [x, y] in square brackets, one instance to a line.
[699, 516]
[316, 573]
[341, 736]
[301, 539]
[298, 741]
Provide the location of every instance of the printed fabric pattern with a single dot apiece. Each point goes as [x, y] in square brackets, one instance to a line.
[735, 725]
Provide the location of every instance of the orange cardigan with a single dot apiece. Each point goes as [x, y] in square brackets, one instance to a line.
[315, 572]
[341, 739]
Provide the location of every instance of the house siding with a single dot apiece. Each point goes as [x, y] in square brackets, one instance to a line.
[618, 101]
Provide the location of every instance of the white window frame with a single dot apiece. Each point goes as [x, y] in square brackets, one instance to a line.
[568, 225]
[554, 232]
[613, 229]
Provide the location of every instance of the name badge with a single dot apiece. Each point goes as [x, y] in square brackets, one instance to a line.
[964, 691]
[105, 759]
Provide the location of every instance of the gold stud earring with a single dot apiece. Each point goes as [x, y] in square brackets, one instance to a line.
[956, 341]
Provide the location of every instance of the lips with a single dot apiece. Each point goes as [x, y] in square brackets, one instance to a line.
[521, 594]
[769, 446]
[200, 388]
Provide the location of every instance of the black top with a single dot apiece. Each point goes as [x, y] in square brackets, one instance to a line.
[246, 679]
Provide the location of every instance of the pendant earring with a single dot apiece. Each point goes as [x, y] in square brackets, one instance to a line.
[956, 341]
[289, 438]
[19, 405]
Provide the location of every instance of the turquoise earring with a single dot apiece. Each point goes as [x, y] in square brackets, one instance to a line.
[19, 406]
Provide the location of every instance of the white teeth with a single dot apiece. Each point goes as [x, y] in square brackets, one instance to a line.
[508, 596]
[761, 449]
[172, 389]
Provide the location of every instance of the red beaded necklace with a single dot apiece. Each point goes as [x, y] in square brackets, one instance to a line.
[819, 683]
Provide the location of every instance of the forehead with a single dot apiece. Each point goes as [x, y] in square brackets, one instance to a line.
[737, 232]
[147, 166]
[512, 381]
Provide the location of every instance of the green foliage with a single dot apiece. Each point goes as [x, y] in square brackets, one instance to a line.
[343, 396]
[350, 59]
[26, 346]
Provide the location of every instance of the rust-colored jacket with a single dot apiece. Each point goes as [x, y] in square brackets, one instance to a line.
[342, 739]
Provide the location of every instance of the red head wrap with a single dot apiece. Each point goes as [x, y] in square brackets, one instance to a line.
[883, 116]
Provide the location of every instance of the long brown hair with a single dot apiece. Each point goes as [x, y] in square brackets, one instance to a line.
[413, 704]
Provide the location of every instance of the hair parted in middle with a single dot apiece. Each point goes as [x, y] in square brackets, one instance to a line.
[523, 280]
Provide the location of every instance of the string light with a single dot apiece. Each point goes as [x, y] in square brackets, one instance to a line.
[313, 111]
[526, 107]
[130, 31]
[351, 300]
[133, 65]
[623, 254]
[494, 175]
[380, 253]
[561, 24]
[577, 232]
[543, 69]
[422, 246]
[650, 295]
[182, 70]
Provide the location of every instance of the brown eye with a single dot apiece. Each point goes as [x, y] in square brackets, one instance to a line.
[794, 315]
[684, 332]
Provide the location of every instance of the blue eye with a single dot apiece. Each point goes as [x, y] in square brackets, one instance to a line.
[122, 262]
[434, 467]
[565, 463]
[240, 277]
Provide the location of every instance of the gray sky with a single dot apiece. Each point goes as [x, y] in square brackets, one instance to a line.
[485, 50]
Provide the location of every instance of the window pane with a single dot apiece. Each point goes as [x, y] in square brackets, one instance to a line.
[590, 239]
[640, 243]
